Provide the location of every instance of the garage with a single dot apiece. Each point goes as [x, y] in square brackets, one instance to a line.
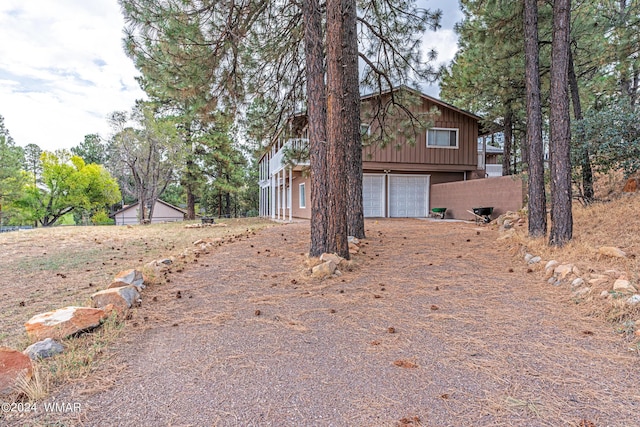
[373, 195]
[408, 196]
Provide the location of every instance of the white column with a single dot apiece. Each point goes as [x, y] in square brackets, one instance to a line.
[289, 195]
[283, 198]
[273, 197]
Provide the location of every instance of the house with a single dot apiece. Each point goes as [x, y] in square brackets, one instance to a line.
[396, 178]
[492, 158]
[162, 212]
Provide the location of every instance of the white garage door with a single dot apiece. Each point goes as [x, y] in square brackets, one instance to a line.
[408, 196]
[373, 195]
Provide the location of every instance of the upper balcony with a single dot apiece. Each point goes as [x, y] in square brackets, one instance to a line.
[294, 146]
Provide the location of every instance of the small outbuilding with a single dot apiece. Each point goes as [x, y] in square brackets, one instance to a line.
[162, 212]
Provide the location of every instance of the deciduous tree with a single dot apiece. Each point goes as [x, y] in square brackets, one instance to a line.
[68, 183]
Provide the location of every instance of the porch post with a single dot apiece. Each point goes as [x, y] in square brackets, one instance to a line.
[283, 197]
[273, 197]
[290, 192]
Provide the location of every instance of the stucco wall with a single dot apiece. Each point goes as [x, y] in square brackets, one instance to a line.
[504, 194]
[296, 210]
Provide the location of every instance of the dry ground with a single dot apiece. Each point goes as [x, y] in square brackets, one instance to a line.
[48, 268]
[433, 324]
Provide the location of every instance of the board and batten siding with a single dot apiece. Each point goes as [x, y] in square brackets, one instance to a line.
[465, 157]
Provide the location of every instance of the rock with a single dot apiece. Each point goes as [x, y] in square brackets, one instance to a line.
[604, 294]
[612, 251]
[128, 277]
[323, 270]
[577, 283]
[198, 242]
[548, 273]
[582, 292]
[631, 186]
[535, 260]
[13, 366]
[331, 257]
[563, 270]
[337, 273]
[551, 264]
[122, 298]
[634, 299]
[353, 246]
[598, 282]
[623, 285]
[353, 240]
[43, 349]
[63, 322]
[527, 257]
[576, 270]
[507, 224]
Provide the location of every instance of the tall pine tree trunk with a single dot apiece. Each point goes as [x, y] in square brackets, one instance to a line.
[537, 196]
[337, 134]
[189, 184]
[508, 139]
[317, 114]
[355, 213]
[561, 215]
[585, 161]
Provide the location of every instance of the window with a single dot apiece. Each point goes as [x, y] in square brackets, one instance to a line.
[365, 129]
[442, 138]
[303, 196]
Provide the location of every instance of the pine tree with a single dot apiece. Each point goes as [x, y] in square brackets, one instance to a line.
[560, 129]
[537, 196]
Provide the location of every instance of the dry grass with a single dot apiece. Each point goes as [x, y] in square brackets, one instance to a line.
[35, 388]
[614, 222]
[48, 268]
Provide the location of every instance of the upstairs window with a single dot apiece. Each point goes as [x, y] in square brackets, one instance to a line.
[442, 138]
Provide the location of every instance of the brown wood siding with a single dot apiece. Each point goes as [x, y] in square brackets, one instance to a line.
[465, 157]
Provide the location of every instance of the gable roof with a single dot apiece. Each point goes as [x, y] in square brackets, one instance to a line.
[423, 95]
[380, 93]
[133, 205]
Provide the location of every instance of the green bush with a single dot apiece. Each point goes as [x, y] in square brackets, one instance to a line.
[102, 218]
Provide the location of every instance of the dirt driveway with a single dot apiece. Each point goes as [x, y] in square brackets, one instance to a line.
[435, 326]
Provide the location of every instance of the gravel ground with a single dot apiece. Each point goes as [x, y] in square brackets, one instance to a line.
[433, 324]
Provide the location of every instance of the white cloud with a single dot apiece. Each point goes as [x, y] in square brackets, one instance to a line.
[63, 70]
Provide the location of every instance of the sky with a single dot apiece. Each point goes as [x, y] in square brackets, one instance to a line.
[63, 69]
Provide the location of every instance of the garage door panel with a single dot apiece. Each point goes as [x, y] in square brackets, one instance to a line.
[373, 195]
[408, 196]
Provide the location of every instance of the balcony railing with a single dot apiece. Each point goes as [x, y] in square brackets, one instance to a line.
[493, 170]
[276, 163]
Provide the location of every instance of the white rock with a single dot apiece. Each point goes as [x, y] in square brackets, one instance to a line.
[604, 294]
[535, 260]
[635, 299]
[527, 257]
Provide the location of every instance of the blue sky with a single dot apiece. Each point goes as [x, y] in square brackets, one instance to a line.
[63, 70]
